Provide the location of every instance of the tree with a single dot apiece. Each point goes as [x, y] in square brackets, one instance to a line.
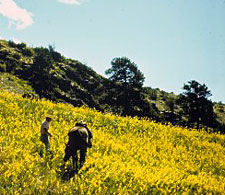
[195, 103]
[40, 75]
[170, 104]
[129, 85]
[170, 115]
[125, 72]
[55, 55]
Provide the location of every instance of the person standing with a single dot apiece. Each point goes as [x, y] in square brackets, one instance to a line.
[80, 137]
[45, 133]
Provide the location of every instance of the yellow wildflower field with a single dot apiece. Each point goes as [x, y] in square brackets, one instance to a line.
[129, 155]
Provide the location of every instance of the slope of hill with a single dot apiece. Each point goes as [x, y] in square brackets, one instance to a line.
[13, 84]
[56, 78]
[129, 156]
[52, 76]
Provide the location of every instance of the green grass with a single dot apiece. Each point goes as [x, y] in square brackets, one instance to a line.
[13, 84]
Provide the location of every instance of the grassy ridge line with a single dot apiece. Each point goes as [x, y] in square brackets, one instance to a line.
[78, 84]
[129, 155]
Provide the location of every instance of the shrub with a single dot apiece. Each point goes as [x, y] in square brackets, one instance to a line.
[2, 67]
[17, 56]
[27, 52]
[21, 46]
[12, 44]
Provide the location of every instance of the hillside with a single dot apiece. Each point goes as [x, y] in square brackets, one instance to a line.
[129, 156]
[13, 84]
[52, 76]
[66, 80]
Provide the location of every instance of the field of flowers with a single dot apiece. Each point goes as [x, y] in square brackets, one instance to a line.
[129, 156]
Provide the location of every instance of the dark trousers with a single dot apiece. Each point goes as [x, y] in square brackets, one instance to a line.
[45, 141]
[73, 152]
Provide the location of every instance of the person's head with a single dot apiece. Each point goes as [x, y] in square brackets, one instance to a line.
[81, 123]
[48, 118]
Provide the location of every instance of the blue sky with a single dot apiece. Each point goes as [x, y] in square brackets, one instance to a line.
[171, 41]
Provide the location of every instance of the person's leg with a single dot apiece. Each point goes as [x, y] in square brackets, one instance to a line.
[75, 160]
[44, 139]
[66, 157]
[47, 146]
[67, 153]
[82, 158]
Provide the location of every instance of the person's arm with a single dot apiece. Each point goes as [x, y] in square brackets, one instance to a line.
[90, 136]
[84, 137]
[89, 139]
[86, 140]
[50, 134]
[89, 143]
[46, 132]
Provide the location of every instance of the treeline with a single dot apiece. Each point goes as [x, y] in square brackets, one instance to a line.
[195, 108]
[59, 79]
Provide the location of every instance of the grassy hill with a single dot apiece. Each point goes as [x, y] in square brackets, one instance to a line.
[45, 72]
[67, 80]
[129, 155]
[14, 84]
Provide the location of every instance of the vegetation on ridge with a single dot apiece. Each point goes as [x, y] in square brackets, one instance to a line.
[56, 78]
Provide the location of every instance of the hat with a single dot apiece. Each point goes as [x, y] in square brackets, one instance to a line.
[81, 123]
[49, 116]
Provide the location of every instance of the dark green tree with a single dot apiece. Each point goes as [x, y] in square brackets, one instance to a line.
[195, 104]
[40, 73]
[129, 85]
[55, 55]
[170, 104]
[125, 72]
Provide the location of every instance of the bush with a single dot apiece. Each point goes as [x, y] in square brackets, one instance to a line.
[221, 108]
[12, 44]
[17, 56]
[153, 95]
[2, 67]
[21, 46]
[27, 52]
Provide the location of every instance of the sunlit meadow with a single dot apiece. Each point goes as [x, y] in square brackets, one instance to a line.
[129, 155]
